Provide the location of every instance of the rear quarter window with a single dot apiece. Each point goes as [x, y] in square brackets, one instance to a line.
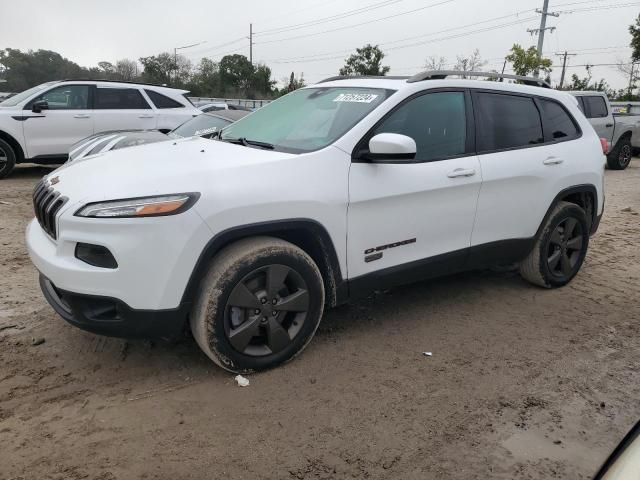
[558, 123]
[162, 101]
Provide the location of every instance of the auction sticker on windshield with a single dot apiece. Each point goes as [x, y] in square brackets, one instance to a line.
[356, 97]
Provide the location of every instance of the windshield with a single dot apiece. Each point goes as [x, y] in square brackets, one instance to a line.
[202, 125]
[16, 99]
[307, 119]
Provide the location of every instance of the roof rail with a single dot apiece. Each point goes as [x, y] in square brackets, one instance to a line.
[351, 77]
[116, 81]
[442, 74]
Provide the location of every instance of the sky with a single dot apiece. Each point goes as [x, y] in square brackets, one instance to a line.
[314, 37]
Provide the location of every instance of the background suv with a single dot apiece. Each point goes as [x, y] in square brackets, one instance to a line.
[39, 125]
[323, 195]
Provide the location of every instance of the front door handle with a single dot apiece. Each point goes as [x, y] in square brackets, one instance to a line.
[82, 115]
[462, 172]
[553, 161]
[145, 116]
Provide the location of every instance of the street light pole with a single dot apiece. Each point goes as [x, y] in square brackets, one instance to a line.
[175, 57]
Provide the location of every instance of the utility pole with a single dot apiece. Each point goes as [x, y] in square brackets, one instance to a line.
[251, 43]
[631, 79]
[543, 27]
[564, 64]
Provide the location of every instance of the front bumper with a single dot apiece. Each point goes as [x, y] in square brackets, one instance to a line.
[113, 317]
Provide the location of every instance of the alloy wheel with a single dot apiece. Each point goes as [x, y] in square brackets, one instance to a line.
[625, 155]
[4, 158]
[266, 310]
[565, 248]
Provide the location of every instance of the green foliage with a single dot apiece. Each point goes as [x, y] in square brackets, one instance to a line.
[292, 83]
[527, 62]
[634, 30]
[366, 61]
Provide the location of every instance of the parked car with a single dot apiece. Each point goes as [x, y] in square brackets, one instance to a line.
[40, 125]
[624, 461]
[215, 107]
[327, 193]
[206, 125]
[621, 131]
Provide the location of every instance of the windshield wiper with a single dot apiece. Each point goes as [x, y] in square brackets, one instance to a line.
[243, 141]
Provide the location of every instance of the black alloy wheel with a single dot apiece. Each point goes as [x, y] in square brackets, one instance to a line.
[266, 310]
[565, 248]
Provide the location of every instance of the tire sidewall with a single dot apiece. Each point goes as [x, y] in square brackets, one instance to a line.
[11, 159]
[614, 161]
[217, 338]
[566, 212]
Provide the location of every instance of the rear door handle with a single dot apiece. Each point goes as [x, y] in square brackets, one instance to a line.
[146, 116]
[462, 172]
[553, 161]
[82, 115]
[609, 125]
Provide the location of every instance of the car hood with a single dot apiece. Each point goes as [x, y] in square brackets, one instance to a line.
[177, 166]
[114, 140]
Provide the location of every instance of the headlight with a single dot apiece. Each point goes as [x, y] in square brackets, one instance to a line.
[140, 207]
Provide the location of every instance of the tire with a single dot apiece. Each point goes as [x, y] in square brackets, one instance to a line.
[248, 336]
[620, 157]
[7, 159]
[557, 257]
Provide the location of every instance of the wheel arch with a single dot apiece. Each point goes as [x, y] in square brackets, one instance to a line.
[15, 144]
[585, 196]
[306, 234]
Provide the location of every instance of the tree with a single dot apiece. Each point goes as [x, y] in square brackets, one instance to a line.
[106, 69]
[126, 69]
[435, 63]
[158, 69]
[261, 82]
[366, 61]
[236, 74]
[293, 83]
[23, 70]
[634, 30]
[472, 63]
[526, 62]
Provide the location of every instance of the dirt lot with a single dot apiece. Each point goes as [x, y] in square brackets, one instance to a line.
[523, 383]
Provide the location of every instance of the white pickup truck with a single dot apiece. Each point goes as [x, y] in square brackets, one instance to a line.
[622, 131]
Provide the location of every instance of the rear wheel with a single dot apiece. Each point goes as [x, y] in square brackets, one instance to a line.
[621, 155]
[259, 305]
[7, 159]
[560, 250]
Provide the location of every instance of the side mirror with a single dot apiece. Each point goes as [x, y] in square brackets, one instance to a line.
[40, 105]
[391, 148]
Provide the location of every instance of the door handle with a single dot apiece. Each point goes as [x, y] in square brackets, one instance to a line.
[462, 172]
[82, 115]
[553, 161]
[609, 125]
[146, 116]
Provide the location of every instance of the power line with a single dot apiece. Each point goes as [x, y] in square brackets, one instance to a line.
[357, 24]
[331, 18]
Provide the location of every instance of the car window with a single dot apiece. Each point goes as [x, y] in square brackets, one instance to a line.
[66, 97]
[202, 125]
[308, 119]
[119, 99]
[557, 122]
[16, 99]
[581, 104]
[436, 121]
[596, 106]
[506, 121]
[162, 101]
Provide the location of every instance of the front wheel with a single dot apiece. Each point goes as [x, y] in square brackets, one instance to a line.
[559, 251]
[7, 159]
[621, 155]
[259, 305]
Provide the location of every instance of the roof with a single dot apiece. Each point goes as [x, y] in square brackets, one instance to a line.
[123, 82]
[231, 115]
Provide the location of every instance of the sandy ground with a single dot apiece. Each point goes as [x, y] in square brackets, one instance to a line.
[523, 383]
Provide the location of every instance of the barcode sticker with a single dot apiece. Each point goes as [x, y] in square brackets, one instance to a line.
[356, 97]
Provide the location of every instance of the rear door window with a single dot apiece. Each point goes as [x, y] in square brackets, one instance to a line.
[119, 99]
[506, 121]
[558, 124]
[596, 106]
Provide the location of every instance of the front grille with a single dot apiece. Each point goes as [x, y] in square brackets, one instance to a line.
[46, 204]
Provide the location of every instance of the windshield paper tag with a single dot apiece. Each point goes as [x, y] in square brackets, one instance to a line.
[205, 131]
[356, 97]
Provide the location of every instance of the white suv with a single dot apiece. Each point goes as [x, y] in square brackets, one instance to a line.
[39, 125]
[323, 195]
